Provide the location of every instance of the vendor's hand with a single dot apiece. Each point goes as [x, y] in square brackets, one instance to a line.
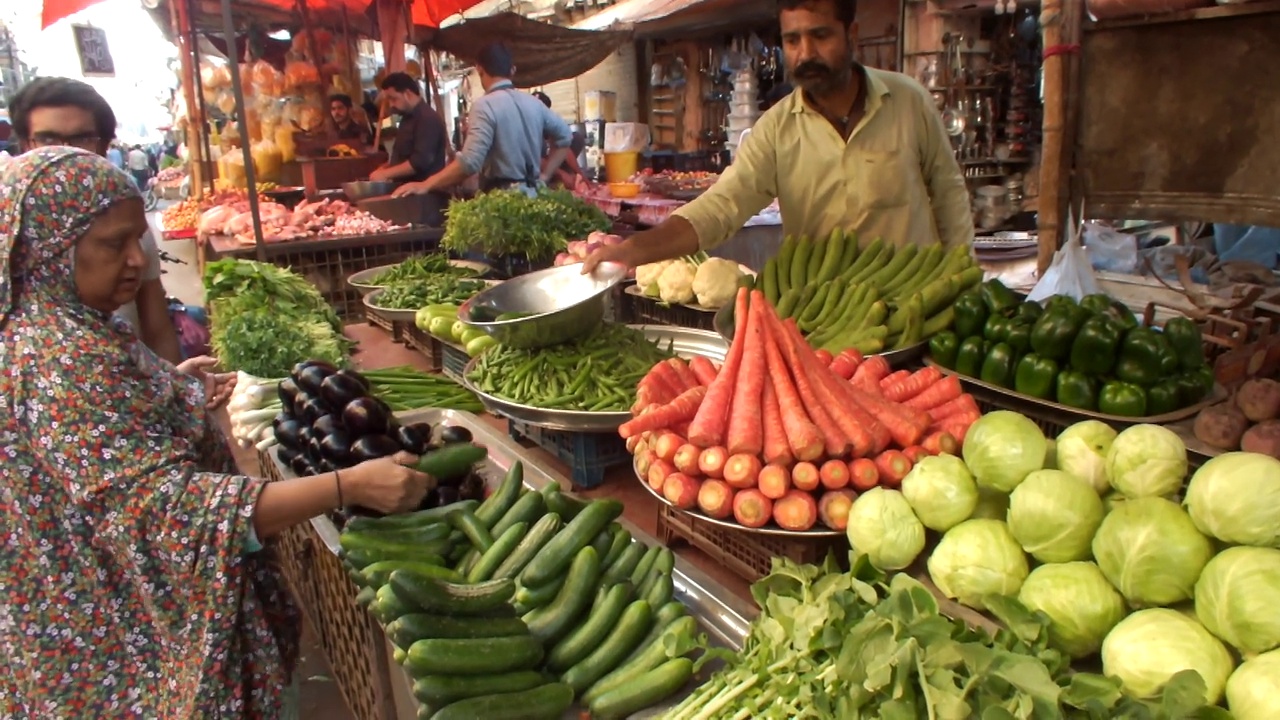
[416, 188]
[388, 485]
[609, 253]
[382, 173]
[217, 386]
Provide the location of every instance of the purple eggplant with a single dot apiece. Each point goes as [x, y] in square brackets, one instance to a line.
[366, 416]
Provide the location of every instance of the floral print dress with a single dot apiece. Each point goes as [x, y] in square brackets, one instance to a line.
[125, 587]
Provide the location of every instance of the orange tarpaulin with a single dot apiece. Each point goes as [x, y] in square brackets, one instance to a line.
[55, 10]
[428, 13]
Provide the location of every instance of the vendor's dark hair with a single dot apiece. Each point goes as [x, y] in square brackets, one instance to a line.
[545, 98]
[342, 98]
[846, 10]
[54, 92]
[496, 60]
[401, 82]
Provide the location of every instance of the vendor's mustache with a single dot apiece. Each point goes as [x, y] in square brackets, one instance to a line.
[811, 69]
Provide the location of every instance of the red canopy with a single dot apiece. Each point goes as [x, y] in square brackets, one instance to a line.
[55, 10]
[429, 13]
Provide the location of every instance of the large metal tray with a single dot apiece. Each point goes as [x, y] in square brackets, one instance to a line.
[723, 324]
[370, 301]
[817, 531]
[685, 342]
[723, 616]
[360, 280]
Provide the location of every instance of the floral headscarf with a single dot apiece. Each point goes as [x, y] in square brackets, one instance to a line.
[125, 587]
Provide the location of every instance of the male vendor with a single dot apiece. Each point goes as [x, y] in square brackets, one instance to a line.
[852, 147]
[419, 148]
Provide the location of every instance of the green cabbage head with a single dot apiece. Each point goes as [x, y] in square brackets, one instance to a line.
[975, 559]
[1235, 498]
[1146, 461]
[1238, 598]
[1054, 516]
[1151, 551]
[1081, 605]
[883, 526]
[941, 491]
[1082, 452]
[1145, 650]
[1002, 448]
[1253, 690]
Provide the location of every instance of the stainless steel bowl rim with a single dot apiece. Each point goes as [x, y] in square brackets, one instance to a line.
[464, 310]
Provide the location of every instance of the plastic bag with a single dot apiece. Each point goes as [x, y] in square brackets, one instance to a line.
[1111, 250]
[1070, 274]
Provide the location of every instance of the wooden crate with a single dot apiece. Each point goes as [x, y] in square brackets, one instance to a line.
[748, 555]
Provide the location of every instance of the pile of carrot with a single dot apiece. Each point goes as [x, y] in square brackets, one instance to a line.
[776, 406]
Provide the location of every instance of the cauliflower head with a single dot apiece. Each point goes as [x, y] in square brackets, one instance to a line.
[647, 277]
[675, 284]
[716, 282]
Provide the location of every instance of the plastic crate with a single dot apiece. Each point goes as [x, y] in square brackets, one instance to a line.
[636, 309]
[748, 555]
[426, 344]
[395, 327]
[588, 455]
[453, 360]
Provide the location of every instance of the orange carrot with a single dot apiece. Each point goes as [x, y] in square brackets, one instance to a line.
[870, 373]
[846, 363]
[893, 379]
[709, 425]
[853, 419]
[906, 425]
[656, 386]
[802, 436]
[914, 385]
[964, 403]
[703, 369]
[958, 425]
[687, 377]
[681, 428]
[672, 378]
[746, 433]
[776, 449]
[854, 428]
[942, 391]
[835, 441]
[682, 408]
[940, 442]
[824, 357]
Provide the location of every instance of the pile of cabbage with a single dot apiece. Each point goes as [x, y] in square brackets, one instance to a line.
[1101, 533]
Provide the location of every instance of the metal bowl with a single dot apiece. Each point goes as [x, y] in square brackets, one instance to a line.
[562, 302]
[361, 280]
[361, 189]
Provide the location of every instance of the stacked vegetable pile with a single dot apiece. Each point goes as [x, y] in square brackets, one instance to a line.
[829, 644]
[1231, 425]
[266, 319]
[441, 321]
[712, 282]
[595, 373]
[871, 299]
[420, 267]
[331, 419]
[1113, 571]
[514, 607]
[507, 222]
[1091, 355]
[438, 289]
[252, 408]
[780, 432]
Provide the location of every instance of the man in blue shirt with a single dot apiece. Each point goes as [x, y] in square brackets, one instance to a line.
[505, 135]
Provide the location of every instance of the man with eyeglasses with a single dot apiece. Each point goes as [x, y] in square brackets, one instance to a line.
[60, 111]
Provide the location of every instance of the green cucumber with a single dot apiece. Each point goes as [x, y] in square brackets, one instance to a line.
[441, 690]
[451, 461]
[785, 255]
[361, 523]
[527, 509]
[582, 640]
[366, 596]
[425, 533]
[432, 595]
[373, 544]
[361, 558]
[547, 702]
[646, 564]
[648, 689]
[474, 656]
[626, 563]
[498, 503]
[665, 562]
[531, 598]
[556, 555]
[409, 629]
[356, 577]
[476, 532]
[651, 653]
[561, 504]
[550, 623]
[388, 607]
[661, 590]
[540, 534]
[377, 574]
[602, 543]
[493, 557]
[399, 655]
[624, 638]
[621, 539]
[667, 614]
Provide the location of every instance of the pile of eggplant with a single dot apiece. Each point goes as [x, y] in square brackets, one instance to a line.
[329, 421]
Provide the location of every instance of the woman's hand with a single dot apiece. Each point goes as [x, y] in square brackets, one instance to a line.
[387, 484]
[413, 188]
[217, 386]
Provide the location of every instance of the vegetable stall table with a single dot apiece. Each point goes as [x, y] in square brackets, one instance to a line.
[328, 261]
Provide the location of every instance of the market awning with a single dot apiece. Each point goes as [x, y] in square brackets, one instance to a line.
[55, 10]
[356, 14]
[649, 18]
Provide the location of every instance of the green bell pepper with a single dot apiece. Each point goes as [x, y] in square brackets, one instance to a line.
[1029, 311]
[1164, 397]
[997, 328]
[943, 348]
[1124, 316]
[1136, 372]
[998, 366]
[1190, 391]
[971, 314]
[1036, 376]
[1058, 302]
[1055, 331]
[1097, 303]
[1019, 337]
[1142, 344]
[1145, 357]
[1168, 358]
[1184, 336]
[997, 297]
[970, 355]
[1207, 379]
[1122, 398]
[1094, 349]
[1077, 390]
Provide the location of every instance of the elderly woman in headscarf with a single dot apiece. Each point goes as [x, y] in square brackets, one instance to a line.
[133, 579]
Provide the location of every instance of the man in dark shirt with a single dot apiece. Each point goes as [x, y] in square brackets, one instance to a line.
[345, 126]
[419, 148]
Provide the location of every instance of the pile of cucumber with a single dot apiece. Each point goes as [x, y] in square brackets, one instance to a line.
[514, 608]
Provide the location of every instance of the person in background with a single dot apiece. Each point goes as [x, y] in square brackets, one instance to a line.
[853, 148]
[60, 111]
[419, 148]
[1248, 243]
[115, 155]
[504, 137]
[568, 173]
[139, 166]
[345, 125]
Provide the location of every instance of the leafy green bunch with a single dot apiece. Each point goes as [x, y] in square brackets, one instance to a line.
[508, 222]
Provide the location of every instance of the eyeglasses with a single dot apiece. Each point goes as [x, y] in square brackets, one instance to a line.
[86, 141]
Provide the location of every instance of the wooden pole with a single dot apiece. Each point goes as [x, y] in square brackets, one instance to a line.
[250, 173]
[1060, 21]
[195, 121]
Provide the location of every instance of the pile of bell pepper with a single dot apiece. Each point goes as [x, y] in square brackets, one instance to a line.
[1092, 354]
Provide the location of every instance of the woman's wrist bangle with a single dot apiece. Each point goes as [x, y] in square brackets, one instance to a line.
[337, 482]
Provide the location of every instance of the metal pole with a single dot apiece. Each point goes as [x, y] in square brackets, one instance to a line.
[205, 126]
[229, 32]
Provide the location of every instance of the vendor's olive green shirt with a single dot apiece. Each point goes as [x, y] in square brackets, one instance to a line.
[895, 178]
